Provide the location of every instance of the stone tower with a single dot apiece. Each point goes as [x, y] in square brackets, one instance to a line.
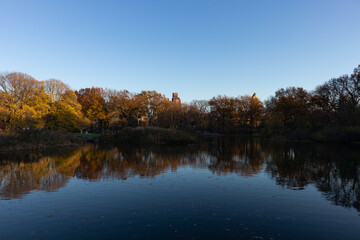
[175, 98]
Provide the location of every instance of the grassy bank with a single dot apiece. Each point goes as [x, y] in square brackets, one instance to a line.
[149, 135]
[33, 139]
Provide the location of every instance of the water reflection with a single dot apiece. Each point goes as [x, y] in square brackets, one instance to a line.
[20, 174]
[333, 170]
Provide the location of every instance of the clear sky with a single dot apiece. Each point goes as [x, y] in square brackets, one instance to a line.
[197, 48]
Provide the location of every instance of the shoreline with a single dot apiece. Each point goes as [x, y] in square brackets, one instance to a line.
[145, 135]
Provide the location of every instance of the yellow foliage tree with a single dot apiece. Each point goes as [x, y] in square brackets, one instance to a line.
[23, 101]
[65, 111]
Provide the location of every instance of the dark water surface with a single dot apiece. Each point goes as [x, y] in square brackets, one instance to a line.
[220, 189]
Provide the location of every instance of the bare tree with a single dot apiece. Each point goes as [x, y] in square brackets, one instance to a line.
[55, 89]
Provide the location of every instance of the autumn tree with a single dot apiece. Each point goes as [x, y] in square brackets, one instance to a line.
[171, 115]
[125, 106]
[224, 111]
[324, 107]
[200, 112]
[23, 101]
[250, 110]
[3, 110]
[65, 111]
[341, 97]
[151, 101]
[292, 106]
[94, 106]
[55, 89]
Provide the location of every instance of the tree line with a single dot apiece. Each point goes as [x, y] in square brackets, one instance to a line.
[52, 104]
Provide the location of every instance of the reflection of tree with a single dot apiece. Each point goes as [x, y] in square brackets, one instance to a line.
[45, 173]
[243, 156]
[333, 170]
[126, 161]
[226, 156]
[341, 185]
[37, 171]
[288, 167]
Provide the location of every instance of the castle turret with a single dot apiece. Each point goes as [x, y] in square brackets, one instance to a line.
[175, 98]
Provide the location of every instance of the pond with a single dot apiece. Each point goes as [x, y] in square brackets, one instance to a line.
[221, 188]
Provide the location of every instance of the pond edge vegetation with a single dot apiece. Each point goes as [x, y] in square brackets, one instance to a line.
[49, 113]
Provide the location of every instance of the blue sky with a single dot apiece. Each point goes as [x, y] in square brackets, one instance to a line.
[197, 48]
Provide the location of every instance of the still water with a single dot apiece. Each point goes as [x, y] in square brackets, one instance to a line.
[219, 189]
